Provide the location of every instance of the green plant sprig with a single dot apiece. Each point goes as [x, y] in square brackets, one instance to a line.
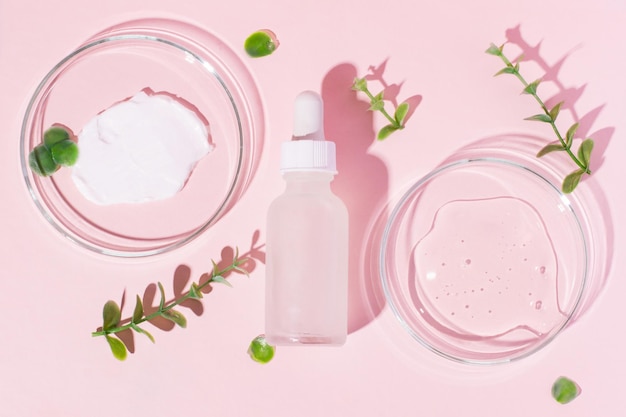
[377, 103]
[111, 313]
[582, 159]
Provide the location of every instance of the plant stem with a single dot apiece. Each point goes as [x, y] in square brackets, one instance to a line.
[174, 303]
[391, 120]
[566, 147]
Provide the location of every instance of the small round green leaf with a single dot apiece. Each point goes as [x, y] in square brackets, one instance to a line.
[261, 351]
[41, 162]
[64, 153]
[111, 315]
[117, 348]
[564, 390]
[261, 43]
[55, 135]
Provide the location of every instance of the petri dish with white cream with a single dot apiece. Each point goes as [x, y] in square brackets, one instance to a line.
[169, 124]
[140, 150]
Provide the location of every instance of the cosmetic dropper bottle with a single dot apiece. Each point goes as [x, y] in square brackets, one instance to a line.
[307, 240]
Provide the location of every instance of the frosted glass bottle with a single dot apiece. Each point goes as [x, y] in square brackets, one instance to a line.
[307, 243]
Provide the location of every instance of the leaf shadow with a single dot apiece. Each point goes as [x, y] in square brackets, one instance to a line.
[391, 91]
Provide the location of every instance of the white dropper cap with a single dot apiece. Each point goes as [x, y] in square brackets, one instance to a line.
[308, 150]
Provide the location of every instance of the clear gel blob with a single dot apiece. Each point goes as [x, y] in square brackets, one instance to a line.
[491, 271]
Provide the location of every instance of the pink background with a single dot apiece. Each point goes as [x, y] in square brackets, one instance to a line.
[52, 292]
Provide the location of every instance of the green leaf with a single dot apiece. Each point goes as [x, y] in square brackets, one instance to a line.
[359, 84]
[540, 118]
[41, 162]
[379, 96]
[494, 50]
[194, 291]
[531, 88]
[569, 136]
[571, 181]
[239, 269]
[162, 291]
[386, 131]
[553, 147]
[377, 105]
[175, 316]
[401, 113]
[564, 390]
[117, 347]
[221, 280]
[261, 351]
[260, 43]
[216, 270]
[138, 313]
[142, 331]
[64, 153]
[506, 70]
[554, 112]
[55, 135]
[111, 315]
[584, 151]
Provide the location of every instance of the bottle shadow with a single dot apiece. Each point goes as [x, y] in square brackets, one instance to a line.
[181, 284]
[362, 184]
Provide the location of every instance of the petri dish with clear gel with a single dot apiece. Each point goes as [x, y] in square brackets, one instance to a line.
[161, 56]
[484, 260]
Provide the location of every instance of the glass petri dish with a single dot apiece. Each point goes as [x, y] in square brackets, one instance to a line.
[484, 260]
[162, 56]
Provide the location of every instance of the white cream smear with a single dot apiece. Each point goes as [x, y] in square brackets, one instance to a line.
[139, 150]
